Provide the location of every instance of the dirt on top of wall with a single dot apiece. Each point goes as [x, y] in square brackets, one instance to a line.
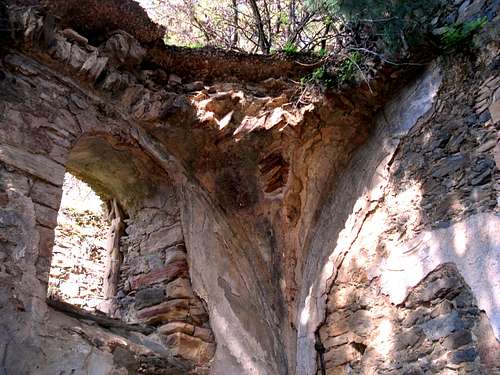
[97, 20]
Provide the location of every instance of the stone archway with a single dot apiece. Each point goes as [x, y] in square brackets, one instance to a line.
[153, 298]
[265, 188]
[148, 279]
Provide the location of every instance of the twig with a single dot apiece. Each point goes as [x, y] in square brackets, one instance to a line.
[361, 71]
[313, 64]
[382, 58]
[378, 19]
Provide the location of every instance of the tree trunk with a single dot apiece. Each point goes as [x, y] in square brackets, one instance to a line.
[234, 41]
[115, 257]
[263, 43]
[291, 19]
[327, 30]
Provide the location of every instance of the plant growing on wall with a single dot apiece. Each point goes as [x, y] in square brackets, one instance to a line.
[459, 33]
[349, 67]
[290, 49]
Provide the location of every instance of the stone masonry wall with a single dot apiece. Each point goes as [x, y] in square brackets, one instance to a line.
[48, 126]
[380, 319]
[155, 288]
[254, 223]
[437, 330]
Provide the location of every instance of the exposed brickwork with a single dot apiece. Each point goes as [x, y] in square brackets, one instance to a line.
[443, 172]
[435, 331]
[223, 185]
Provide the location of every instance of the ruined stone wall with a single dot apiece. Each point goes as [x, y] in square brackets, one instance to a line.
[438, 329]
[48, 126]
[155, 288]
[409, 284]
[256, 213]
[443, 172]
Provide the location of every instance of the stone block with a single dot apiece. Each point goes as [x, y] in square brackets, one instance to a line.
[179, 288]
[77, 57]
[164, 274]
[115, 81]
[341, 355]
[94, 66]
[449, 165]
[407, 339]
[495, 111]
[149, 297]
[331, 342]
[165, 312]
[174, 255]
[442, 326]
[174, 327]
[342, 297]
[147, 263]
[61, 50]
[35, 164]
[457, 339]
[124, 49]
[359, 323]
[48, 195]
[190, 348]
[435, 289]
[464, 355]
[46, 243]
[204, 334]
[444, 307]
[337, 328]
[197, 312]
[73, 36]
[162, 239]
[45, 216]
[487, 344]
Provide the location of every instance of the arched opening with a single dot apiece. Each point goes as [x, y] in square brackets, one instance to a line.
[80, 258]
[130, 207]
[106, 179]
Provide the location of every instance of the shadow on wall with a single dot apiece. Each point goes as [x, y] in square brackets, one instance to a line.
[114, 169]
[436, 206]
[451, 158]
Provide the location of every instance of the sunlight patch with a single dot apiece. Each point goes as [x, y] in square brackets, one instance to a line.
[79, 255]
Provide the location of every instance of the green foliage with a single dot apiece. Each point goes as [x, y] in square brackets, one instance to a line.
[195, 45]
[349, 67]
[322, 52]
[171, 39]
[397, 22]
[459, 33]
[345, 73]
[283, 18]
[290, 49]
[319, 76]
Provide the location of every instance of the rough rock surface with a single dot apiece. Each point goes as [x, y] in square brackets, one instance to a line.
[259, 229]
